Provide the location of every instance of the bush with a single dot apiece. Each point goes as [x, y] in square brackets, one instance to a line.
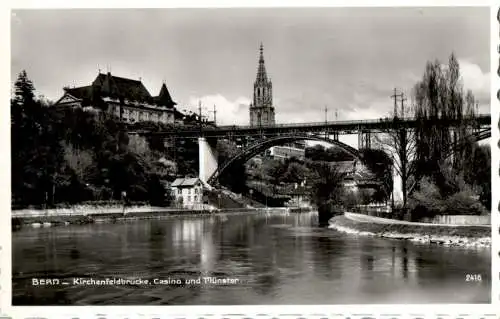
[464, 203]
[428, 202]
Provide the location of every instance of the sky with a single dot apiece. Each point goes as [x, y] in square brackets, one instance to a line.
[345, 59]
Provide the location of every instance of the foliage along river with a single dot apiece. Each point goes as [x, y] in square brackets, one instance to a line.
[278, 259]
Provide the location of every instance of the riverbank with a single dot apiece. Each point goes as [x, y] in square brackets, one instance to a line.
[442, 234]
[87, 214]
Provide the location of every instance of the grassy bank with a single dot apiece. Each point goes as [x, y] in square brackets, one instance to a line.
[474, 236]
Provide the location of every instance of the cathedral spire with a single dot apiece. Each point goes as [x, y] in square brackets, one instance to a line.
[261, 72]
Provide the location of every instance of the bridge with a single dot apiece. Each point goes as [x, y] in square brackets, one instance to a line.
[334, 127]
[256, 139]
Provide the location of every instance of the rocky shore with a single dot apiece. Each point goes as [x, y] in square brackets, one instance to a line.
[446, 235]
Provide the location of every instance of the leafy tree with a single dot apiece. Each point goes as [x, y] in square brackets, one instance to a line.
[380, 163]
[331, 154]
[36, 152]
[477, 172]
[295, 173]
[327, 184]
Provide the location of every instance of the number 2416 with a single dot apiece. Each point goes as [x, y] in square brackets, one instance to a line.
[473, 277]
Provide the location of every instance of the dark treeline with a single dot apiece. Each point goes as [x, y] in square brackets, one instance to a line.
[331, 154]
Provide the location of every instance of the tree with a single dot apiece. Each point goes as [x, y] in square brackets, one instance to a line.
[295, 173]
[381, 164]
[479, 173]
[439, 96]
[36, 151]
[327, 184]
[80, 161]
[400, 144]
[24, 90]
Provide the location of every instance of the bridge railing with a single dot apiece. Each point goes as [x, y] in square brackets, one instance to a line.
[387, 120]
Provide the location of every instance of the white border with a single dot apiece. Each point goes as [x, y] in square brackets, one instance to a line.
[443, 311]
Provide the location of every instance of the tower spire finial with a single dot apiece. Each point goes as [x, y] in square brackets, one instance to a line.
[261, 72]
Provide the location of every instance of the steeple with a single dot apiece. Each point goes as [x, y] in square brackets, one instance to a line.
[262, 110]
[261, 72]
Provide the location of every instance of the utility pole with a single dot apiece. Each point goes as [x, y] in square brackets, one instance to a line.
[395, 96]
[326, 122]
[215, 116]
[199, 115]
[403, 99]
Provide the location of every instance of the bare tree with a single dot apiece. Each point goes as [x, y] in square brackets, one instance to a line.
[400, 145]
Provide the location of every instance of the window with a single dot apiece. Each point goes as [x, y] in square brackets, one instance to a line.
[179, 191]
[196, 198]
[189, 198]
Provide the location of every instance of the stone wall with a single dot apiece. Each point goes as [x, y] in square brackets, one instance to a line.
[459, 220]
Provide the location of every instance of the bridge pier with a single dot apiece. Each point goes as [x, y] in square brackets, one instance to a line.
[207, 158]
[364, 139]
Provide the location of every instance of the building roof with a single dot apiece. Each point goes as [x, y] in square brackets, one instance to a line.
[114, 86]
[80, 92]
[107, 85]
[164, 97]
[185, 182]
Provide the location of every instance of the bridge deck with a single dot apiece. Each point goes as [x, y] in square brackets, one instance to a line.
[340, 127]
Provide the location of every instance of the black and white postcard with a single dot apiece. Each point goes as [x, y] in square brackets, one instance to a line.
[251, 156]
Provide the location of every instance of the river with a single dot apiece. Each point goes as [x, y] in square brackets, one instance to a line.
[264, 258]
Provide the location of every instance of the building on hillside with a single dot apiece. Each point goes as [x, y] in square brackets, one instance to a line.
[127, 99]
[188, 192]
[262, 109]
[358, 176]
[284, 152]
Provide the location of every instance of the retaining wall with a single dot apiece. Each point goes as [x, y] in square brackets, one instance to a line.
[459, 220]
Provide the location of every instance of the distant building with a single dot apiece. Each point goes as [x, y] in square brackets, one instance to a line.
[188, 192]
[357, 176]
[296, 150]
[284, 152]
[262, 109]
[127, 99]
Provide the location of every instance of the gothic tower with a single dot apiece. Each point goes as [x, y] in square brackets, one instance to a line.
[261, 109]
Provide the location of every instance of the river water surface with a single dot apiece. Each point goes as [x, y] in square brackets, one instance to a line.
[266, 258]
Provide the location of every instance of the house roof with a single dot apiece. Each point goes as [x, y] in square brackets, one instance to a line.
[164, 97]
[107, 85]
[185, 182]
[114, 86]
[80, 92]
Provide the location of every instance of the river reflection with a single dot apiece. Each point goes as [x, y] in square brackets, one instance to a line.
[277, 258]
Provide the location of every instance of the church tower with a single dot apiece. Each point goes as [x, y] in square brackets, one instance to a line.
[261, 109]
